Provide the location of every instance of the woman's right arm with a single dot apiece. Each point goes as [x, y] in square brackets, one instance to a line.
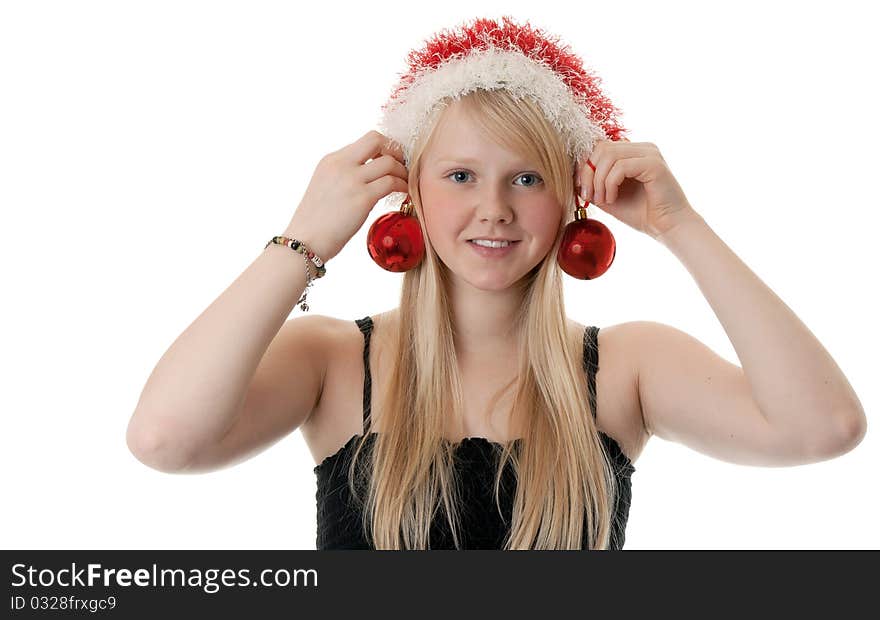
[200, 386]
[232, 384]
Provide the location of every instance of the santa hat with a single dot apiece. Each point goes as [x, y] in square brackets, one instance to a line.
[488, 54]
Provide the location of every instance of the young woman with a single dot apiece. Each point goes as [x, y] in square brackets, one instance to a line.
[475, 414]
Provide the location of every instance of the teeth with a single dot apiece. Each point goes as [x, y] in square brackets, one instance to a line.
[491, 244]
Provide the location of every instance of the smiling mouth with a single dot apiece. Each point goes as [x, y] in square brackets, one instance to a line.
[508, 243]
[490, 252]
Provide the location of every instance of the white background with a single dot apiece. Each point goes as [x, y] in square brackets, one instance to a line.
[148, 150]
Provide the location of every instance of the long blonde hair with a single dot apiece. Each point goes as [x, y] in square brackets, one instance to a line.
[564, 477]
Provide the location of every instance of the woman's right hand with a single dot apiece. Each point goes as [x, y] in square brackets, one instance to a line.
[344, 189]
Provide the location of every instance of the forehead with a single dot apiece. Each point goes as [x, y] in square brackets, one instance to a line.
[455, 126]
[459, 139]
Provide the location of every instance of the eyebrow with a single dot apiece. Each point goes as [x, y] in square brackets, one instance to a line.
[471, 161]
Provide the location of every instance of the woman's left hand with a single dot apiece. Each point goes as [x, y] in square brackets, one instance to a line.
[633, 183]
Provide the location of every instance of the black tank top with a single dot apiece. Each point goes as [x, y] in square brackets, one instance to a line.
[481, 526]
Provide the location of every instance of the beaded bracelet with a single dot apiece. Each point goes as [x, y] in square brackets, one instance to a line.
[308, 255]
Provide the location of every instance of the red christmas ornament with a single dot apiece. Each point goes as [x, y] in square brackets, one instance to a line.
[395, 239]
[587, 248]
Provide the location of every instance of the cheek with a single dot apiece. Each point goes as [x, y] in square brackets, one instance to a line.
[432, 201]
[544, 222]
[443, 223]
[442, 214]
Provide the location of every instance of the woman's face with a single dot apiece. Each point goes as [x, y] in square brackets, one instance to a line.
[473, 188]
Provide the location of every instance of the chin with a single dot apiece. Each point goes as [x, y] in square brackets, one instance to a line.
[491, 282]
[491, 287]
[489, 279]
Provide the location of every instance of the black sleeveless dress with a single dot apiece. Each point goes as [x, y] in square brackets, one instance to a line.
[481, 527]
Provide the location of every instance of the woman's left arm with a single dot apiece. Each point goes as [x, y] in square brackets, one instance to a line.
[794, 382]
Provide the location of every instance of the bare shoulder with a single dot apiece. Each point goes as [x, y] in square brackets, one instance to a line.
[691, 395]
[327, 429]
[618, 411]
[339, 413]
[346, 340]
[343, 345]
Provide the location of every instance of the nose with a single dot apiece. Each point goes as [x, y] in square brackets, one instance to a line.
[494, 208]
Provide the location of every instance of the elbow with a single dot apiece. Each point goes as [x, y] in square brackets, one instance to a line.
[151, 448]
[854, 428]
[851, 429]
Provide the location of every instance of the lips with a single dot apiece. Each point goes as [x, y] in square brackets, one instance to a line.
[493, 252]
[510, 243]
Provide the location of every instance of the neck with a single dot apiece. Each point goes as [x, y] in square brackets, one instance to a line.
[484, 322]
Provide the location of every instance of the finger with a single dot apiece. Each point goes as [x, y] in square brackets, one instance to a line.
[374, 144]
[385, 185]
[628, 167]
[604, 159]
[586, 193]
[584, 178]
[588, 169]
[390, 147]
[380, 166]
[581, 182]
[599, 178]
[615, 177]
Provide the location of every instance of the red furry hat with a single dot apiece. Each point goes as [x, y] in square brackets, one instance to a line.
[487, 54]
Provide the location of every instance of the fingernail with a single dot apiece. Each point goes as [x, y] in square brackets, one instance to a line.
[583, 192]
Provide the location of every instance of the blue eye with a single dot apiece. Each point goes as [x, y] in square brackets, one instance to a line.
[456, 172]
[526, 174]
[529, 174]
